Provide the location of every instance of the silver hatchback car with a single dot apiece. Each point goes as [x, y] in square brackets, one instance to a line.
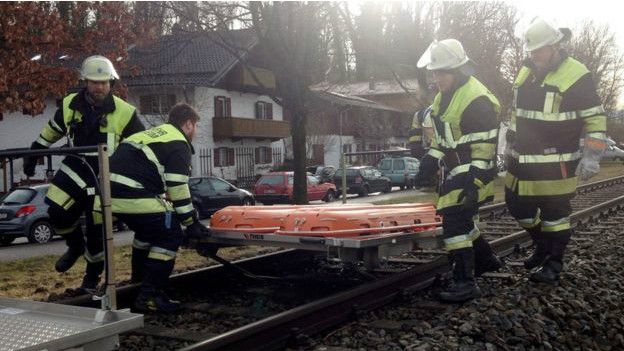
[24, 213]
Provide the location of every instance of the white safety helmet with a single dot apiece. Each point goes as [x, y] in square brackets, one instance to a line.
[540, 34]
[443, 55]
[98, 68]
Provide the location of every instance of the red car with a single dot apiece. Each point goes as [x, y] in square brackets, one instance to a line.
[277, 187]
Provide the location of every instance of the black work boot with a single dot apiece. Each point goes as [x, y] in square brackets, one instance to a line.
[91, 278]
[75, 249]
[540, 253]
[89, 285]
[463, 287]
[152, 297]
[485, 259]
[157, 302]
[549, 273]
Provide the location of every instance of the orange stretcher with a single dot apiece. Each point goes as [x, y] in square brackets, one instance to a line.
[327, 221]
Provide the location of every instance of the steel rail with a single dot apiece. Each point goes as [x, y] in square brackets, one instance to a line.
[275, 332]
[127, 293]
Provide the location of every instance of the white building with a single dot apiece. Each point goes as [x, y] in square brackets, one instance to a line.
[241, 122]
[343, 124]
[19, 131]
[240, 118]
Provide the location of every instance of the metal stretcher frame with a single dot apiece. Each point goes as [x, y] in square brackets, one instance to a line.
[368, 248]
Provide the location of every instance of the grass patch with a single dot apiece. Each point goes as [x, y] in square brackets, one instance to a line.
[608, 170]
[35, 278]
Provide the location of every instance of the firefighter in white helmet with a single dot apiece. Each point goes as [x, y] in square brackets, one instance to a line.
[464, 115]
[91, 116]
[555, 105]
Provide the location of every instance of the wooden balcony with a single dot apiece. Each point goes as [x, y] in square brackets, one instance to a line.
[234, 127]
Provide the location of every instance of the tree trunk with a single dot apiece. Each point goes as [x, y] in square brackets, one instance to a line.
[298, 132]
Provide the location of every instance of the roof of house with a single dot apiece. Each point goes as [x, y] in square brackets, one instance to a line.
[340, 99]
[381, 87]
[188, 58]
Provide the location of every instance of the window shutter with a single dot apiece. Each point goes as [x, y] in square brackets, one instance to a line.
[230, 153]
[228, 107]
[269, 111]
[217, 154]
[218, 108]
[257, 104]
[269, 153]
[257, 152]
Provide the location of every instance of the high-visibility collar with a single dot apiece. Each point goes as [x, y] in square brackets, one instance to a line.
[463, 97]
[116, 120]
[451, 118]
[563, 77]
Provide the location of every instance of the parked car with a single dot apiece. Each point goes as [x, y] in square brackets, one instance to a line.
[402, 171]
[277, 187]
[323, 173]
[211, 194]
[613, 152]
[23, 213]
[363, 180]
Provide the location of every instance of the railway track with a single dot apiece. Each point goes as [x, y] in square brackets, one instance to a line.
[227, 311]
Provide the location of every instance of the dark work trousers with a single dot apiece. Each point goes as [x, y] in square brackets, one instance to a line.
[463, 223]
[551, 219]
[458, 223]
[79, 186]
[154, 248]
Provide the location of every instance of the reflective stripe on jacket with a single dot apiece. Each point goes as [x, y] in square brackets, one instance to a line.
[150, 173]
[548, 119]
[466, 145]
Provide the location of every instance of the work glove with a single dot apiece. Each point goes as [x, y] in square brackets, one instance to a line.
[510, 141]
[589, 166]
[207, 249]
[196, 231]
[469, 197]
[427, 169]
[30, 162]
[29, 165]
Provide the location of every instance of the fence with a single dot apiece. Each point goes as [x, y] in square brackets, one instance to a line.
[239, 165]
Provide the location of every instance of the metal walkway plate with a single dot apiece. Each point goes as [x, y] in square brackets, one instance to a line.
[32, 325]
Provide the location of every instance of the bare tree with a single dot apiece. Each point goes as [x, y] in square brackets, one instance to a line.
[288, 37]
[596, 47]
[306, 42]
[486, 29]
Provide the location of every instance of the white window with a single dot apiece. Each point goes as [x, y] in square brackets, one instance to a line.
[264, 110]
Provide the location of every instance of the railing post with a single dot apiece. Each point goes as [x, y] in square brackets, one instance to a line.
[109, 300]
[344, 177]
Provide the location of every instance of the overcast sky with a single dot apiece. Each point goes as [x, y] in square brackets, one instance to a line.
[570, 13]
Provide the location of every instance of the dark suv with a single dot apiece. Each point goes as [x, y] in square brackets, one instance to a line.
[401, 170]
[363, 180]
